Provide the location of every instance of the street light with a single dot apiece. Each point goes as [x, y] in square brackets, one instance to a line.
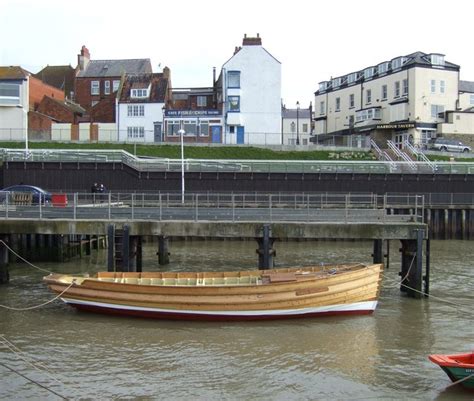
[181, 132]
[297, 123]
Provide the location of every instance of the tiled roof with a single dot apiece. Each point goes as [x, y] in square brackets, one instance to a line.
[466, 86]
[13, 72]
[59, 76]
[115, 68]
[292, 113]
[74, 107]
[159, 87]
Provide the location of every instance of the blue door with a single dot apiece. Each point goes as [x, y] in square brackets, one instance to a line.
[216, 134]
[240, 135]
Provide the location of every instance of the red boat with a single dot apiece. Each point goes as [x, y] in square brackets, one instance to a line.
[458, 367]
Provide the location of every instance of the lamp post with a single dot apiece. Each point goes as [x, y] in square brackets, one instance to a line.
[297, 123]
[181, 132]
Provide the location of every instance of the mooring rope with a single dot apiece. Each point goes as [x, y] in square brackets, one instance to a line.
[23, 259]
[39, 366]
[40, 305]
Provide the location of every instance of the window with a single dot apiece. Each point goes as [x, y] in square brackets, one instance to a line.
[323, 86]
[190, 127]
[398, 62]
[442, 86]
[405, 87]
[233, 79]
[140, 93]
[351, 78]
[234, 103]
[397, 89]
[351, 121]
[9, 93]
[135, 110]
[351, 100]
[107, 87]
[338, 103]
[115, 85]
[135, 132]
[336, 82]
[204, 128]
[471, 99]
[368, 96]
[94, 102]
[436, 109]
[437, 59]
[368, 114]
[369, 72]
[293, 127]
[95, 88]
[172, 127]
[382, 68]
[305, 128]
[322, 107]
[384, 92]
[202, 101]
[433, 86]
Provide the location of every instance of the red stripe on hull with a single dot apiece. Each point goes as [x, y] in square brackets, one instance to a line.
[200, 316]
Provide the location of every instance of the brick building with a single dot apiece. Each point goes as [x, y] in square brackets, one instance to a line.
[99, 80]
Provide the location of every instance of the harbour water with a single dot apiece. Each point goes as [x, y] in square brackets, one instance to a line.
[378, 357]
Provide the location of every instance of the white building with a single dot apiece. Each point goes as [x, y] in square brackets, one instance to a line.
[296, 126]
[401, 99]
[250, 93]
[140, 107]
[14, 103]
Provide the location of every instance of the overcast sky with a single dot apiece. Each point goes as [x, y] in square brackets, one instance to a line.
[314, 40]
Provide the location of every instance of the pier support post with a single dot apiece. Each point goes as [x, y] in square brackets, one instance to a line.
[163, 250]
[377, 255]
[265, 249]
[412, 266]
[111, 248]
[4, 273]
[139, 254]
[125, 256]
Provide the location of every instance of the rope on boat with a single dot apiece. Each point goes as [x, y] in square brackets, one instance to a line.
[23, 259]
[35, 364]
[40, 305]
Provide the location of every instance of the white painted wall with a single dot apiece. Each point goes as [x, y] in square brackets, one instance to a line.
[153, 113]
[107, 132]
[260, 96]
[14, 118]
[61, 132]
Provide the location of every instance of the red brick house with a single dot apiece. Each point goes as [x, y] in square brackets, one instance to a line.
[98, 81]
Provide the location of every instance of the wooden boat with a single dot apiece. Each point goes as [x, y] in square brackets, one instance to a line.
[458, 367]
[243, 295]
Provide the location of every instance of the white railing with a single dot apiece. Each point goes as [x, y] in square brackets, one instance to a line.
[401, 155]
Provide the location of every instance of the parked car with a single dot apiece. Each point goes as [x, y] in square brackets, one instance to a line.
[37, 193]
[449, 145]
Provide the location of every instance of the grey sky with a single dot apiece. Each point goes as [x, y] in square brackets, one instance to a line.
[313, 40]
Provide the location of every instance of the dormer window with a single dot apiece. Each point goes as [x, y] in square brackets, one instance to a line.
[382, 68]
[351, 78]
[398, 62]
[323, 86]
[139, 93]
[437, 59]
[369, 72]
[336, 82]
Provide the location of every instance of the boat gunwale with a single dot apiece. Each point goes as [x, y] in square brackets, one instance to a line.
[449, 361]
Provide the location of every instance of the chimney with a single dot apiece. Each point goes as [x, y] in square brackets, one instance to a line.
[248, 41]
[83, 58]
[166, 73]
[213, 76]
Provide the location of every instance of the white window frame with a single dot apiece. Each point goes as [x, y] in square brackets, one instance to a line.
[115, 85]
[397, 89]
[337, 105]
[323, 86]
[11, 94]
[136, 110]
[442, 86]
[471, 99]
[204, 123]
[369, 72]
[135, 132]
[437, 59]
[368, 114]
[201, 101]
[384, 93]
[436, 109]
[405, 87]
[233, 79]
[352, 78]
[187, 124]
[368, 96]
[107, 87]
[382, 68]
[95, 87]
[139, 93]
[433, 86]
[175, 125]
[336, 82]
[322, 107]
[351, 100]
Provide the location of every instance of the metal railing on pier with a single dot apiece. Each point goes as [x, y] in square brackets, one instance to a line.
[244, 166]
[252, 207]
